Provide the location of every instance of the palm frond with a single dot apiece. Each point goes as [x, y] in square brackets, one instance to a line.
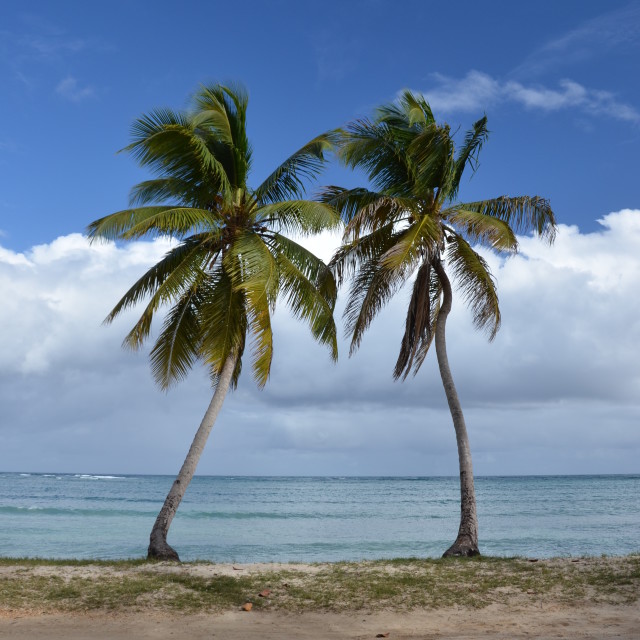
[422, 348]
[261, 336]
[159, 190]
[417, 242]
[309, 265]
[223, 321]
[378, 150]
[410, 111]
[468, 154]
[254, 272]
[473, 277]
[432, 153]
[165, 282]
[252, 268]
[420, 322]
[287, 182]
[223, 110]
[308, 303]
[177, 347]
[172, 148]
[130, 224]
[351, 255]
[371, 289]
[524, 214]
[300, 217]
[348, 202]
[482, 229]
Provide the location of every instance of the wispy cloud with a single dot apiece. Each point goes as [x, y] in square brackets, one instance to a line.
[478, 91]
[31, 49]
[614, 30]
[70, 89]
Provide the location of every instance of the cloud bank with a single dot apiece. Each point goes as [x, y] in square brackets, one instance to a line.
[558, 391]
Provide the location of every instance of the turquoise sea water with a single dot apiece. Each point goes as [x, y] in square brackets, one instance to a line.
[254, 519]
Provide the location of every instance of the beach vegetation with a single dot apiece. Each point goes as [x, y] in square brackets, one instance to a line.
[369, 586]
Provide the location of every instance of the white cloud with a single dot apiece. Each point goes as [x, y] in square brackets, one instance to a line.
[556, 392]
[70, 89]
[478, 91]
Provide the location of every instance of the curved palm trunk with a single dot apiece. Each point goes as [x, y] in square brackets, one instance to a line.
[158, 546]
[466, 543]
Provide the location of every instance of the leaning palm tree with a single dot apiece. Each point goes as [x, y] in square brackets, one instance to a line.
[232, 257]
[412, 223]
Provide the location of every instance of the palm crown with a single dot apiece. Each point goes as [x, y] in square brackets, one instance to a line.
[412, 221]
[232, 259]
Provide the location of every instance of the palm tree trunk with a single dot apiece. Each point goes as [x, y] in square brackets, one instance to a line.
[158, 546]
[466, 543]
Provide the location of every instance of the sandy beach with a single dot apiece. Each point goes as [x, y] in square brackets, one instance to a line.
[494, 621]
[492, 598]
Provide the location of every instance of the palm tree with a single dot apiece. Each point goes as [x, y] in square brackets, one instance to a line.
[232, 258]
[412, 223]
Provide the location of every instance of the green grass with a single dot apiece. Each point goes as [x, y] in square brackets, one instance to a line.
[402, 584]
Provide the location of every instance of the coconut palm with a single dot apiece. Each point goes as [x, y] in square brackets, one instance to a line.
[231, 260]
[411, 222]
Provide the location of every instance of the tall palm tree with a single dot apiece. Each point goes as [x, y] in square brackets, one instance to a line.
[412, 223]
[232, 258]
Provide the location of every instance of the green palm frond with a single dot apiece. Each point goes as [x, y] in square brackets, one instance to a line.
[165, 282]
[482, 229]
[169, 189]
[287, 182]
[171, 147]
[431, 152]
[348, 202]
[309, 265]
[422, 348]
[177, 222]
[307, 303]
[254, 272]
[348, 258]
[524, 214]
[365, 211]
[223, 320]
[178, 345]
[252, 268]
[474, 279]
[300, 217]
[223, 109]
[371, 289]
[375, 148]
[420, 322]
[468, 155]
[261, 336]
[410, 111]
[416, 243]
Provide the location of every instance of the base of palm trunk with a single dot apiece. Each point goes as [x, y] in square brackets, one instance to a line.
[463, 547]
[160, 549]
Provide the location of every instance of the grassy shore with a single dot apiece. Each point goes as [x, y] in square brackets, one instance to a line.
[45, 586]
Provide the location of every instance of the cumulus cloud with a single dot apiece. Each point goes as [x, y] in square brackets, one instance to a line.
[556, 392]
[478, 91]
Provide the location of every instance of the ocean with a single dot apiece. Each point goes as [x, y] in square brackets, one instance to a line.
[315, 519]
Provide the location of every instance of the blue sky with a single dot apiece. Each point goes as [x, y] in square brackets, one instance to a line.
[558, 82]
[556, 392]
